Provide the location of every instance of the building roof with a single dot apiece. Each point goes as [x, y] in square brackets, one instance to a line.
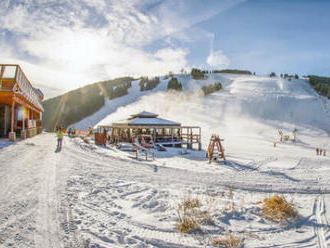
[144, 114]
[146, 119]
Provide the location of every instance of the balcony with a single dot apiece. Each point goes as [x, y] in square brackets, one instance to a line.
[13, 80]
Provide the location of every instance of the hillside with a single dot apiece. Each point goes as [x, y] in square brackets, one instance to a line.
[76, 105]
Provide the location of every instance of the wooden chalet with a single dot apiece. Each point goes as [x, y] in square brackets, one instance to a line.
[165, 132]
[20, 104]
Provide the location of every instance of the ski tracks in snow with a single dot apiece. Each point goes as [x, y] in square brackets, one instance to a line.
[321, 224]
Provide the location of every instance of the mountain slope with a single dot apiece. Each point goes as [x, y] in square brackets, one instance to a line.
[248, 108]
[75, 105]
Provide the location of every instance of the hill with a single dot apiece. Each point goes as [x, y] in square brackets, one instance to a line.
[77, 104]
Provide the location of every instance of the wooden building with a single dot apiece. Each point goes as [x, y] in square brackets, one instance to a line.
[165, 132]
[20, 104]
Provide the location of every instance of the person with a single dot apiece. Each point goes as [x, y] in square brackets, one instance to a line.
[320, 151]
[59, 137]
[317, 151]
[70, 132]
[324, 152]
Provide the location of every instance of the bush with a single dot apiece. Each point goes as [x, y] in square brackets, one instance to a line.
[228, 241]
[211, 88]
[148, 84]
[277, 209]
[272, 74]
[190, 216]
[174, 84]
[197, 73]
[320, 84]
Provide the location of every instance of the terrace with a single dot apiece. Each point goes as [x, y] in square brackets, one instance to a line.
[20, 103]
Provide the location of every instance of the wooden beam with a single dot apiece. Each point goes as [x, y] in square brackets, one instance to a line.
[1, 74]
[12, 116]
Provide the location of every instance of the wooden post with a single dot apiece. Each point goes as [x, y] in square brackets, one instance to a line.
[23, 122]
[172, 136]
[1, 75]
[12, 116]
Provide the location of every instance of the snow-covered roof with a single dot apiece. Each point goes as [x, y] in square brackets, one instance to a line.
[146, 118]
[152, 121]
[145, 114]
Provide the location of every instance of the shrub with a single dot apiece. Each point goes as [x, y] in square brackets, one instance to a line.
[272, 74]
[190, 216]
[197, 73]
[187, 224]
[174, 84]
[320, 84]
[228, 241]
[148, 84]
[211, 88]
[276, 208]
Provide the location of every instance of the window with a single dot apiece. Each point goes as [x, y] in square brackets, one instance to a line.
[10, 72]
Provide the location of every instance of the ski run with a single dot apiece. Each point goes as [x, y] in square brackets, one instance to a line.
[92, 196]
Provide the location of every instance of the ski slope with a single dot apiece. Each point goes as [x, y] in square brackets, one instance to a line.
[90, 196]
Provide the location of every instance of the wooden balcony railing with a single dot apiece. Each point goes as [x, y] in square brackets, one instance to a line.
[12, 78]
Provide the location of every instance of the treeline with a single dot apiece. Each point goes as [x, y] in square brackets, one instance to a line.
[198, 74]
[320, 84]
[76, 105]
[233, 71]
[211, 88]
[148, 84]
[288, 76]
[174, 84]
[285, 76]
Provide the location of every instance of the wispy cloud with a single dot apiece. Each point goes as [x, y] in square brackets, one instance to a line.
[65, 44]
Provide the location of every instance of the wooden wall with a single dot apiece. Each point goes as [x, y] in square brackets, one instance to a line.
[8, 84]
[4, 120]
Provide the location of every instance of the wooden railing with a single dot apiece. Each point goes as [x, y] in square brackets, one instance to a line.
[20, 85]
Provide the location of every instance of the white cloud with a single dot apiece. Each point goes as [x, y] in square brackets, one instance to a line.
[218, 59]
[66, 44]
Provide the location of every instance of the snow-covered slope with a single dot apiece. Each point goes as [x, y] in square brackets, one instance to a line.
[91, 196]
[248, 106]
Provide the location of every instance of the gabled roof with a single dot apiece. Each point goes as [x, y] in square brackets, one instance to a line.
[146, 119]
[152, 121]
[145, 114]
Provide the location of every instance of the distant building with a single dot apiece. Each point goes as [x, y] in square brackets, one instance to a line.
[20, 104]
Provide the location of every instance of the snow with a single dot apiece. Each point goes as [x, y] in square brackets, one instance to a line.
[152, 121]
[91, 196]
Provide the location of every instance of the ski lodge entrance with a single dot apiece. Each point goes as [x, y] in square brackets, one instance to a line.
[164, 132]
[20, 104]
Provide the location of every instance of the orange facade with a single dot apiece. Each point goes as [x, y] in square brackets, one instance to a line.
[20, 103]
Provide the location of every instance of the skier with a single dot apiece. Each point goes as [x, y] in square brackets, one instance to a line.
[324, 152]
[59, 137]
[320, 151]
[317, 151]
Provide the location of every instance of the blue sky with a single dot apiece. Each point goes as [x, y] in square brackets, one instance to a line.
[63, 44]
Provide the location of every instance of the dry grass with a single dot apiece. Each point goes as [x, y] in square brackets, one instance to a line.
[190, 203]
[187, 224]
[190, 216]
[278, 209]
[228, 241]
